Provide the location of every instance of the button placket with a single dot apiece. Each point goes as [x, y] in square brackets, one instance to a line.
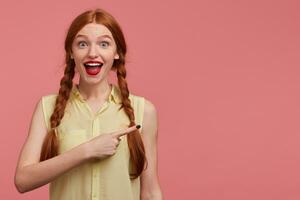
[95, 171]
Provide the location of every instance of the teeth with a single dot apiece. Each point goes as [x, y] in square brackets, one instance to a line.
[93, 64]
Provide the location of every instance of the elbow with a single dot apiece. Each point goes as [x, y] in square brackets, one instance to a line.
[20, 183]
[153, 195]
[19, 187]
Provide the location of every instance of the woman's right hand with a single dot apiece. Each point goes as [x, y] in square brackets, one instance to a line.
[106, 144]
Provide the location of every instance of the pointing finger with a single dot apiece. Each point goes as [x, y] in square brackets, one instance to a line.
[126, 131]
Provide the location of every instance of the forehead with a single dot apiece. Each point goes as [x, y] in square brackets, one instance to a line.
[94, 30]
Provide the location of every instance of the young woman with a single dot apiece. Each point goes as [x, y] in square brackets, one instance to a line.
[92, 140]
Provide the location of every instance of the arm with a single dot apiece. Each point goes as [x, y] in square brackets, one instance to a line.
[150, 188]
[30, 173]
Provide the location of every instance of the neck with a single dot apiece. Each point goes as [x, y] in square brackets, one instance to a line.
[99, 91]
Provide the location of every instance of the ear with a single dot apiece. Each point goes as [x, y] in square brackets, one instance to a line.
[116, 56]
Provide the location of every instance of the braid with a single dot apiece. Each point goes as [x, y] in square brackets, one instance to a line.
[50, 145]
[135, 144]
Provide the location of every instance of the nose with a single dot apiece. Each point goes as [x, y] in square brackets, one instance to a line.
[93, 53]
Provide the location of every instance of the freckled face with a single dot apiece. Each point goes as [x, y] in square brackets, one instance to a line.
[94, 51]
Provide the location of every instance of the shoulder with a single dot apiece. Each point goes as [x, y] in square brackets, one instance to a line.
[48, 100]
[146, 111]
[148, 107]
[45, 107]
[49, 97]
[135, 98]
[150, 122]
[137, 102]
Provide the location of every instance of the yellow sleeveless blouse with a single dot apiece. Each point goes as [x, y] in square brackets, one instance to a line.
[106, 179]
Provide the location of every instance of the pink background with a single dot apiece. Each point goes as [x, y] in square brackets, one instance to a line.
[223, 75]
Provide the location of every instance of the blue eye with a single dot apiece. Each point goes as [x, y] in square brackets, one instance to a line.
[81, 42]
[104, 42]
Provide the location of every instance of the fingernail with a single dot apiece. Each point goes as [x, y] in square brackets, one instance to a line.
[138, 126]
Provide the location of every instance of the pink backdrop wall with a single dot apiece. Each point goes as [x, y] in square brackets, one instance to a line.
[223, 75]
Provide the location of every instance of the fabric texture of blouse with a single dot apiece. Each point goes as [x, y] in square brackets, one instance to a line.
[106, 179]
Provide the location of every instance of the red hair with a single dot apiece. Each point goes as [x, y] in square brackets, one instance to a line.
[135, 144]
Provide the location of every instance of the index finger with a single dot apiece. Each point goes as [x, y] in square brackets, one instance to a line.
[126, 131]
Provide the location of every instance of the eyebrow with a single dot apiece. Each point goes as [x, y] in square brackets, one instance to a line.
[105, 36]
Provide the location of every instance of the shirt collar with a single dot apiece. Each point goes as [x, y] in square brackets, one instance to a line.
[115, 95]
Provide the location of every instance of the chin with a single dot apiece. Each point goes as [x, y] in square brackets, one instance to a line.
[92, 80]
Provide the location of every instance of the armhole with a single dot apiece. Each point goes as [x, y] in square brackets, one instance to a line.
[139, 111]
[45, 114]
[138, 104]
[142, 110]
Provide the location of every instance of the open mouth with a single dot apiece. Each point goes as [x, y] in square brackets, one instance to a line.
[93, 68]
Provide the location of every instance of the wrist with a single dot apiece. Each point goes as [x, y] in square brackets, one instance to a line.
[87, 153]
